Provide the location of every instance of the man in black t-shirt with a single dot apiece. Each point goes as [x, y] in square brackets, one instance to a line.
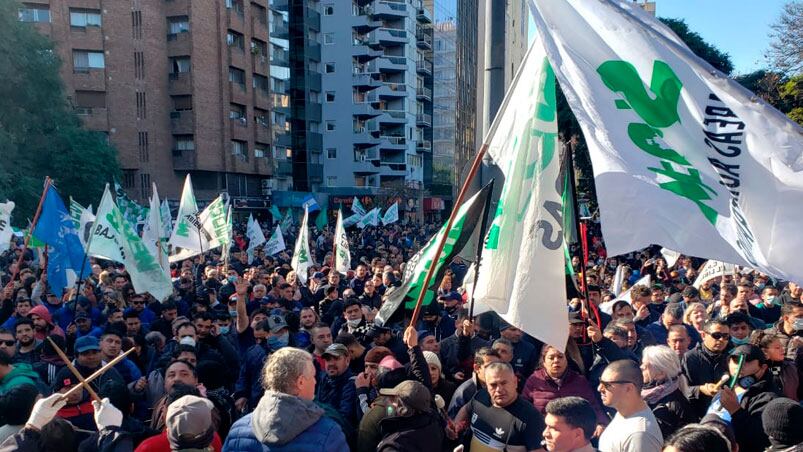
[499, 419]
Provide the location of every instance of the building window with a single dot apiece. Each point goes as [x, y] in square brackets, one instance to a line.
[239, 148]
[236, 5]
[180, 64]
[129, 179]
[178, 24]
[260, 151]
[331, 153]
[182, 103]
[145, 185]
[331, 181]
[84, 60]
[314, 126]
[260, 83]
[328, 38]
[237, 76]
[261, 117]
[237, 112]
[234, 39]
[143, 146]
[34, 13]
[315, 97]
[136, 24]
[330, 126]
[184, 142]
[82, 18]
[330, 96]
[329, 68]
[328, 10]
[139, 65]
[142, 108]
[85, 101]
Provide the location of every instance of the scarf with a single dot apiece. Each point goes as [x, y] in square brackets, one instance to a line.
[660, 390]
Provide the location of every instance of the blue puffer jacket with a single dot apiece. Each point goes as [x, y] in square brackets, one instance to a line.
[282, 422]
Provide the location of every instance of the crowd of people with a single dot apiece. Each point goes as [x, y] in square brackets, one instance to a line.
[243, 357]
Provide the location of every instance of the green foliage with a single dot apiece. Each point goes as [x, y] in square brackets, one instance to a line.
[39, 134]
[783, 93]
[715, 57]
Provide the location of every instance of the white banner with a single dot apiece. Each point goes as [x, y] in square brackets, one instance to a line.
[713, 269]
[186, 232]
[618, 280]
[391, 215]
[607, 307]
[152, 233]
[276, 243]
[671, 257]
[255, 236]
[683, 156]
[523, 253]
[370, 219]
[302, 258]
[115, 239]
[5, 225]
[341, 240]
[356, 207]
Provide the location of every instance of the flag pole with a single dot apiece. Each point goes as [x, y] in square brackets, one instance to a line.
[28, 236]
[86, 256]
[480, 245]
[334, 241]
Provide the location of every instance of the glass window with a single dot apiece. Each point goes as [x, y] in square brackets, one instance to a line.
[236, 75]
[330, 126]
[178, 24]
[330, 96]
[234, 39]
[237, 111]
[328, 38]
[85, 18]
[184, 142]
[331, 153]
[330, 68]
[34, 13]
[260, 82]
[180, 64]
[238, 147]
[86, 59]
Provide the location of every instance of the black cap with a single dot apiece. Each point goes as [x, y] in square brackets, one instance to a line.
[781, 420]
[750, 352]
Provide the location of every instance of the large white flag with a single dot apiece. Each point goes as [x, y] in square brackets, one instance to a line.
[186, 233]
[713, 269]
[671, 257]
[166, 219]
[521, 274]
[275, 244]
[683, 156]
[391, 215]
[216, 227]
[341, 240]
[152, 232]
[607, 306]
[302, 258]
[115, 239]
[370, 219]
[255, 236]
[5, 225]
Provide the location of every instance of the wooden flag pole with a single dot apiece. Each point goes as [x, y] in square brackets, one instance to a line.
[74, 370]
[28, 236]
[97, 373]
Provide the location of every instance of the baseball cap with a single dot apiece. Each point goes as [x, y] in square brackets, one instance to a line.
[317, 275]
[336, 350]
[375, 331]
[750, 352]
[86, 343]
[412, 393]
[276, 323]
[189, 423]
[574, 317]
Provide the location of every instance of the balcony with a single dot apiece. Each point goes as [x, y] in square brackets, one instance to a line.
[390, 10]
[184, 160]
[283, 139]
[365, 21]
[423, 119]
[392, 90]
[180, 83]
[315, 172]
[284, 167]
[363, 138]
[387, 37]
[392, 142]
[89, 79]
[424, 93]
[423, 67]
[424, 16]
[362, 52]
[313, 51]
[393, 117]
[423, 39]
[235, 20]
[261, 64]
[182, 122]
[261, 99]
[237, 93]
[280, 5]
[312, 19]
[279, 30]
[262, 133]
[389, 64]
[366, 80]
[364, 109]
[423, 146]
[239, 129]
[93, 118]
[314, 142]
[259, 27]
[237, 57]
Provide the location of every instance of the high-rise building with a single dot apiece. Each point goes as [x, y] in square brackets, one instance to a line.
[179, 86]
[376, 118]
[445, 100]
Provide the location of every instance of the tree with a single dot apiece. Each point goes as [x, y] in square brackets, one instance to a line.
[786, 48]
[783, 93]
[715, 57]
[39, 134]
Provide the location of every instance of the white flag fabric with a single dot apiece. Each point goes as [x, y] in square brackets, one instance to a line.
[166, 219]
[370, 219]
[683, 156]
[276, 243]
[6, 232]
[671, 257]
[302, 258]
[152, 232]
[255, 236]
[186, 233]
[341, 240]
[607, 307]
[618, 280]
[216, 227]
[521, 274]
[83, 219]
[352, 220]
[391, 215]
[115, 239]
[356, 207]
[713, 269]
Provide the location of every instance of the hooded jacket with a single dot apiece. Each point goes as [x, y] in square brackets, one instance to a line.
[283, 422]
[21, 374]
[44, 313]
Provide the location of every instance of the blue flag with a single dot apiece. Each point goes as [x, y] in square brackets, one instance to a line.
[56, 228]
[310, 203]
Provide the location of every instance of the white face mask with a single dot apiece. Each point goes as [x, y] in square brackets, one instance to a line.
[187, 340]
[353, 323]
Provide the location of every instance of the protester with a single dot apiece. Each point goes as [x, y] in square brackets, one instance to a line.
[570, 425]
[411, 423]
[664, 389]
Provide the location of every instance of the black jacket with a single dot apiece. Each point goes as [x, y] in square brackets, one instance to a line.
[702, 366]
[420, 432]
[673, 412]
[746, 422]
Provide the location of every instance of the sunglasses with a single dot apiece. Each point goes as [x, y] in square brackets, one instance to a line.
[608, 385]
[719, 336]
[8, 343]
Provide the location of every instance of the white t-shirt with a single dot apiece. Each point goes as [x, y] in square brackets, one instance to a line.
[637, 433]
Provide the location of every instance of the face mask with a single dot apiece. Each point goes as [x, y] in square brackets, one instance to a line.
[740, 341]
[353, 323]
[277, 342]
[187, 340]
[772, 301]
[223, 330]
[798, 325]
[232, 279]
[233, 314]
[746, 381]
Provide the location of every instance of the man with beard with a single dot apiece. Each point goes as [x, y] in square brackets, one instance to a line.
[27, 345]
[336, 386]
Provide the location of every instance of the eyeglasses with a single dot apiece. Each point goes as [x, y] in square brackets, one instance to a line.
[719, 336]
[9, 343]
[608, 385]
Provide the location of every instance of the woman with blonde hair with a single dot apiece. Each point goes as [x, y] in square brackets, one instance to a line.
[664, 387]
[695, 316]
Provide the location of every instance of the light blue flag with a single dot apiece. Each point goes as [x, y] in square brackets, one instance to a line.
[56, 228]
